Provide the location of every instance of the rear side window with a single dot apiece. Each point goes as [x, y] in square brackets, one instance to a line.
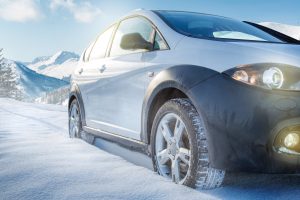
[136, 25]
[100, 46]
[87, 52]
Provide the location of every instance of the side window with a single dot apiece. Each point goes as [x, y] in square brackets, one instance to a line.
[101, 44]
[87, 52]
[138, 31]
[159, 43]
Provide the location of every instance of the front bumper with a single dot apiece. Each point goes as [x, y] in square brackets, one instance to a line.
[242, 123]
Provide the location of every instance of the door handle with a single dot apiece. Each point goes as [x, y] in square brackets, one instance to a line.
[102, 68]
[150, 74]
[80, 70]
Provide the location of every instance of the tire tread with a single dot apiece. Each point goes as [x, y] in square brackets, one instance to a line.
[206, 176]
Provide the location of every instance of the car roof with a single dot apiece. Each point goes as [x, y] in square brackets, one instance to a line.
[193, 12]
[142, 11]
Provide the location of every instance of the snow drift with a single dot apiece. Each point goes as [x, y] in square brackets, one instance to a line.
[39, 161]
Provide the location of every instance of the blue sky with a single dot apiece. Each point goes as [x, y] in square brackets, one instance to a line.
[31, 28]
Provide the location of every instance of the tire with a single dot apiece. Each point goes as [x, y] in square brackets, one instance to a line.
[179, 146]
[75, 125]
[87, 137]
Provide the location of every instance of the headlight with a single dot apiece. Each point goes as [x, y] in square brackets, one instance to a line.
[273, 77]
[268, 76]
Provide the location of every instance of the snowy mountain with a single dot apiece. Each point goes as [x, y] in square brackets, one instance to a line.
[30, 83]
[292, 31]
[61, 65]
[39, 60]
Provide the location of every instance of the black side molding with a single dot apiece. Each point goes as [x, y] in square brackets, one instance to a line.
[128, 143]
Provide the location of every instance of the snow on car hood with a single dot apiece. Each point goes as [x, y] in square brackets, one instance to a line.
[220, 55]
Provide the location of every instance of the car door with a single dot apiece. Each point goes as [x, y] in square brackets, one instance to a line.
[160, 58]
[117, 98]
[91, 69]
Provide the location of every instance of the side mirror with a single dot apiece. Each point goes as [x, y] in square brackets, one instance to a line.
[134, 41]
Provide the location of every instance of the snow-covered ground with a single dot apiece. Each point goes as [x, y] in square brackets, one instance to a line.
[39, 161]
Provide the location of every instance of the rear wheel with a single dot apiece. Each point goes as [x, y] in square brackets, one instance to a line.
[179, 146]
[75, 126]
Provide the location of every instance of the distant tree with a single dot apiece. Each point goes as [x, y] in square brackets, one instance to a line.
[58, 96]
[8, 80]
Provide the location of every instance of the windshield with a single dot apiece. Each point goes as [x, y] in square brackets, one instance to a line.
[213, 27]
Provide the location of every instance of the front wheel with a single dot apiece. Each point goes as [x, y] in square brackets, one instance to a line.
[179, 146]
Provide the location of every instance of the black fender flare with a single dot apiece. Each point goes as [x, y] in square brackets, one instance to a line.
[75, 93]
[180, 77]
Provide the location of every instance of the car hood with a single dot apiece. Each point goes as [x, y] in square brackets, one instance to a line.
[283, 49]
[223, 55]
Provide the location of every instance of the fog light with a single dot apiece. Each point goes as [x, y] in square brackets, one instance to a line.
[288, 140]
[291, 140]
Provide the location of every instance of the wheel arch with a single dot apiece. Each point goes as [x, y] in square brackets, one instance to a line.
[173, 82]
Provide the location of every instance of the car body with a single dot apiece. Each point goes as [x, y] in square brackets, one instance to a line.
[239, 83]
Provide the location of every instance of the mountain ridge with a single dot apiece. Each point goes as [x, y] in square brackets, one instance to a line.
[30, 83]
[60, 65]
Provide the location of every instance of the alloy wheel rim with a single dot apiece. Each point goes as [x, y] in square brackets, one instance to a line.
[172, 148]
[74, 121]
